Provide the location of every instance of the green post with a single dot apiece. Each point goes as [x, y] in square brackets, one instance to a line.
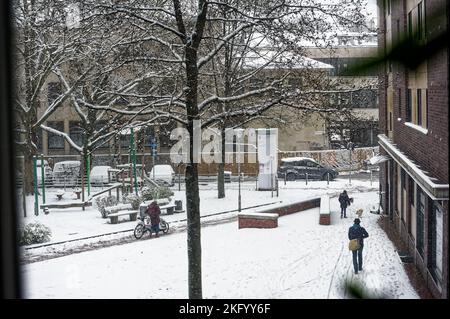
[43, 178]
[36, 199]
[88, 171]
[133, 158]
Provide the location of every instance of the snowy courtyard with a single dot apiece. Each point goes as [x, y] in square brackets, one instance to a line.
[299, 259]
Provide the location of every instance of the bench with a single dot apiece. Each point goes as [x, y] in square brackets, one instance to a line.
[325, 214]
[169, 208]
[114, 217]
[66, 205]
[258, 220]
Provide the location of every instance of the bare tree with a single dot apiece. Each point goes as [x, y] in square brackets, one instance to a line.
[45, 44]
[188, 39]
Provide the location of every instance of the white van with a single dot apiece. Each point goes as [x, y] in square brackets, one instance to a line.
[163, 174]
[66, 173]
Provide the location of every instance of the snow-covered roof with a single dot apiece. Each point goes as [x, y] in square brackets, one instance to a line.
[271, 60]
[378, 159]
[68, 163]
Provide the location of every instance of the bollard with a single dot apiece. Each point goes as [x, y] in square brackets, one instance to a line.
[306, 178]
[284, 178]
[328, 178]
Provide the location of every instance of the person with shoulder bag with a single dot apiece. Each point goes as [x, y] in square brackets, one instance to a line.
[356, 235]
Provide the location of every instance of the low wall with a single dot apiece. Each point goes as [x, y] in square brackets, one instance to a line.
[258, 220]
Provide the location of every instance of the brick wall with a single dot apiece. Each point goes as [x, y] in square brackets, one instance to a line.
[429, 151]
[248, 222]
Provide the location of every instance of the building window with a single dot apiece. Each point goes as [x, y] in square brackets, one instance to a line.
[400, 102]
[402, 189]
[53, 91]
[419, 107]
[76, 132]
[411, 191]
[436, 240]
[408, 105]
[56, 141]
[420, 220]
[419, 21]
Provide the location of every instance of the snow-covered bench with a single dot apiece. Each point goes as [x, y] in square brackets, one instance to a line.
[114, 217]
[325, 215]
[258, 220]
[114, 209]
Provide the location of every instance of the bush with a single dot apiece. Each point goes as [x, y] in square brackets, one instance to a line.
[34, 233]
[103, 202]
[134, 200]
[147, 193]
[150, 193]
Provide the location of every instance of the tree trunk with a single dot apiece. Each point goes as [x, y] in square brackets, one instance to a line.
[192, 189]
[221, 167]
[27, 173]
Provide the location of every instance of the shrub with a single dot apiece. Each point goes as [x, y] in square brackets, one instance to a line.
[103, 202]
[134, 200]
[149, 193]
[34, 233]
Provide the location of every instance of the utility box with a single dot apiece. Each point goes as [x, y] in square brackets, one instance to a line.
[178, 206]
[267, 158]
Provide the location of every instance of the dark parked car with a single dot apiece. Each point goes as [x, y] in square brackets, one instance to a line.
[297, 167]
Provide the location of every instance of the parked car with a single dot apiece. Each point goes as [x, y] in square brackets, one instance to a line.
[48, 172]
[227, 176]
[163, 174]
[66, 173]
[296, 168]
[99, 175]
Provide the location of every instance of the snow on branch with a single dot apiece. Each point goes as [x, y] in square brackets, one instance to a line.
[64, 135]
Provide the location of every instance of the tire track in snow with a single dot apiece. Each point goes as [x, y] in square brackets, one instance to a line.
[334, 270]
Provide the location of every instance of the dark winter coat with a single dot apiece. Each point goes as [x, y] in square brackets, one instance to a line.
[344, 200]
[357, 232]
[153, 211]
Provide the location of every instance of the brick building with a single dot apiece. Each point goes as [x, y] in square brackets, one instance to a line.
[414, 137]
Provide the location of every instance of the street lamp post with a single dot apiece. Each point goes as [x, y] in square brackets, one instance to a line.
[350, 147]
[239, 136]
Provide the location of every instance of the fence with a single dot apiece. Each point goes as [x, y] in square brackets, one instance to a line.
[341, 160]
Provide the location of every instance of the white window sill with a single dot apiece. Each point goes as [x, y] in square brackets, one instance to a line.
[417, 127]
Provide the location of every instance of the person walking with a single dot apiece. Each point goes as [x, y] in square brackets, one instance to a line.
[344, 200]
[359, 233]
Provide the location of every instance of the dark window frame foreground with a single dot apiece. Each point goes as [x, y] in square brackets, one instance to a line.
[9, 267]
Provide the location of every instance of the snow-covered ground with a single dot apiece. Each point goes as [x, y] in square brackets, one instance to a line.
[299, 259]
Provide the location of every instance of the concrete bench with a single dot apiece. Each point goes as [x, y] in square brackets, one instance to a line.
[258, 220]
[169, 208]
[66, 205]
[114, 217]
[325, 214]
